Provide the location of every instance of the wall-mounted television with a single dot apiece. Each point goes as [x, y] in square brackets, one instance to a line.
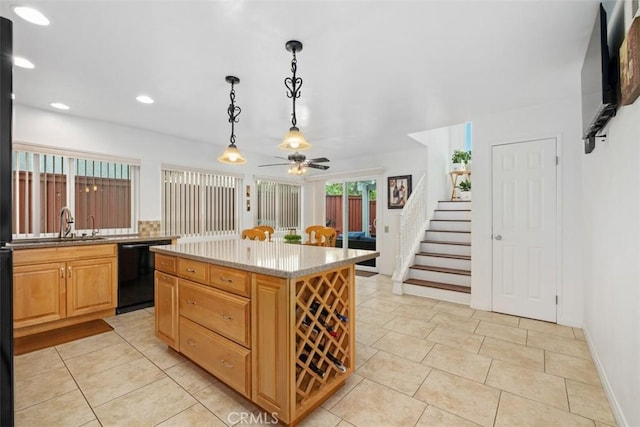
[599, 82]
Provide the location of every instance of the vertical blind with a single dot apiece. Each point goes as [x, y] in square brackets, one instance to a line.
[100, 194]
[200, 203]
[279, 204]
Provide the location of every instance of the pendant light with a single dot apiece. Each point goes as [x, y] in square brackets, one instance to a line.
[294, 139]
[231, 155]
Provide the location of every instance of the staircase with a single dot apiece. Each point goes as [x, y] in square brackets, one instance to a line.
[442, 267]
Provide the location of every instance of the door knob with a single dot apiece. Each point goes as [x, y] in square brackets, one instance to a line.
[498, 237]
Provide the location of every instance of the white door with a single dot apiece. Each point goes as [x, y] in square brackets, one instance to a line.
[524, 229]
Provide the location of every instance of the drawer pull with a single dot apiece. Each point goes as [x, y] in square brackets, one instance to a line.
[226, 279]
[191, 342]
[190, 301]
[62, 272]
[226, 317]
[164, 263]
[69, 272]
[165, 278]
[191, 270]
[226, 364]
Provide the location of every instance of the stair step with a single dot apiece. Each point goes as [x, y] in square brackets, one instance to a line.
[448, 236]
[441, 242]
[434, 254]
[442, 270]
[452, 215]
[438, 285]
[454, 205]
[448, 210]
[453, 225]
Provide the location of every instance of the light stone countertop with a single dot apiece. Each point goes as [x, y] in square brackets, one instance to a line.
[274, 258]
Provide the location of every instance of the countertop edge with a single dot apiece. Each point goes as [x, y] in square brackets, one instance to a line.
[107, 240]
[265, 270]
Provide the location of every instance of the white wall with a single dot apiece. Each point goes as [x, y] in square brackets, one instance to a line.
[611, 273]
[562, 119]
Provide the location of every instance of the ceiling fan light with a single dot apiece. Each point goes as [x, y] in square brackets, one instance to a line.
[294, 140]
[232, 156]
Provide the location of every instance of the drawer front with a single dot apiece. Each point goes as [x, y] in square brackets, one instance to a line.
[166, 263]
[219, 311]
[193, 270]
[229, 279]
[226, 360]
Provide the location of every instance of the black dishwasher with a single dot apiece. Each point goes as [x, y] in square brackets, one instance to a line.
[135, 275]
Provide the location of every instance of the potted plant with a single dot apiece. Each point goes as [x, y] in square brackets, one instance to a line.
[458, 158]
[292, 238]
[461, 160]
[465, 189]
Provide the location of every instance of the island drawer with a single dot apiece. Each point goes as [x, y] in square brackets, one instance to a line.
[166, 263]
[229, 279]
[226, 314]
[226, 360]
[193, 270]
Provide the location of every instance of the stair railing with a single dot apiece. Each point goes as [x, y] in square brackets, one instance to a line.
[413, 222]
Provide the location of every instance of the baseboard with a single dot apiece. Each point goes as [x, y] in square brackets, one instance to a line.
[613, 402]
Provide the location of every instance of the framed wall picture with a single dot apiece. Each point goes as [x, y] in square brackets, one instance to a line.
[399, 190]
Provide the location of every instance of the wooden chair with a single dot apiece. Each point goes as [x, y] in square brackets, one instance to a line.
[265, 229]
[311, 231]
[253, 234]
[326, 236]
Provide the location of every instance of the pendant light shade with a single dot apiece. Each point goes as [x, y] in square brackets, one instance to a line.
[294, 139]
[232, 155]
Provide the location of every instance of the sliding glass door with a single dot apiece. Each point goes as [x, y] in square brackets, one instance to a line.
[351, 208]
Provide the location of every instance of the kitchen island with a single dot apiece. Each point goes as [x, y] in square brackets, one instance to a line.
[273, 320]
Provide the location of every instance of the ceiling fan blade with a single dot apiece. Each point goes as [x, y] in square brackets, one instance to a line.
[274, 164]
[319, 160]
[315, 166]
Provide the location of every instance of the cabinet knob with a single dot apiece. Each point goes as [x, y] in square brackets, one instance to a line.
[226, 317]
[192, 342]
[225, 279]
[191, 270]
[226, 364]
[165, 278]
[190, 301]
[69, 272]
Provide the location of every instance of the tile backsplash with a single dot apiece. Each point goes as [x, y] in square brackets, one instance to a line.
[147, 228]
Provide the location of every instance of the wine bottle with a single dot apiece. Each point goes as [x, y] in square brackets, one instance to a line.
[329, 328]
[338, 364]
[314, 308]
[303, 357]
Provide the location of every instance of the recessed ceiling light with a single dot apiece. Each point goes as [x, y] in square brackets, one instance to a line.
[59, 105]
[31, 15]
[18, 61]
[145, 99]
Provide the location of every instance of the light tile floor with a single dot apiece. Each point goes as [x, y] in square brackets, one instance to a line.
[420, 362]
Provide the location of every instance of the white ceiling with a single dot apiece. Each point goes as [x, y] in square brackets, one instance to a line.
[373, 71]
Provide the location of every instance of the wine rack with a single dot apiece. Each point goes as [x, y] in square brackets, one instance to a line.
[323, 333]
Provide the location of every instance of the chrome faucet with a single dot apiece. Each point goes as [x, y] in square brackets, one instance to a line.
[94, 231]
[66, 219]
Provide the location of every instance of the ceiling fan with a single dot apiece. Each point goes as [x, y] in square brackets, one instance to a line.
[298, 162]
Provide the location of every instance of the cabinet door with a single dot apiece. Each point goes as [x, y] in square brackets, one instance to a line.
[166, 308]
[91, 286]
[38, 293]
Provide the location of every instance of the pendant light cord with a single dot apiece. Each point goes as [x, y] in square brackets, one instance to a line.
[234, 112]
[293, 85]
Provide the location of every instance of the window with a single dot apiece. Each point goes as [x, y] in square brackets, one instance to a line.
[99, 191]
[279, 204]
[199, 203]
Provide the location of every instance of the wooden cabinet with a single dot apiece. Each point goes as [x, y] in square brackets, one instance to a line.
[285, 343]
[166, 308]
[56, 287]
[90, 286]
[39, 294]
